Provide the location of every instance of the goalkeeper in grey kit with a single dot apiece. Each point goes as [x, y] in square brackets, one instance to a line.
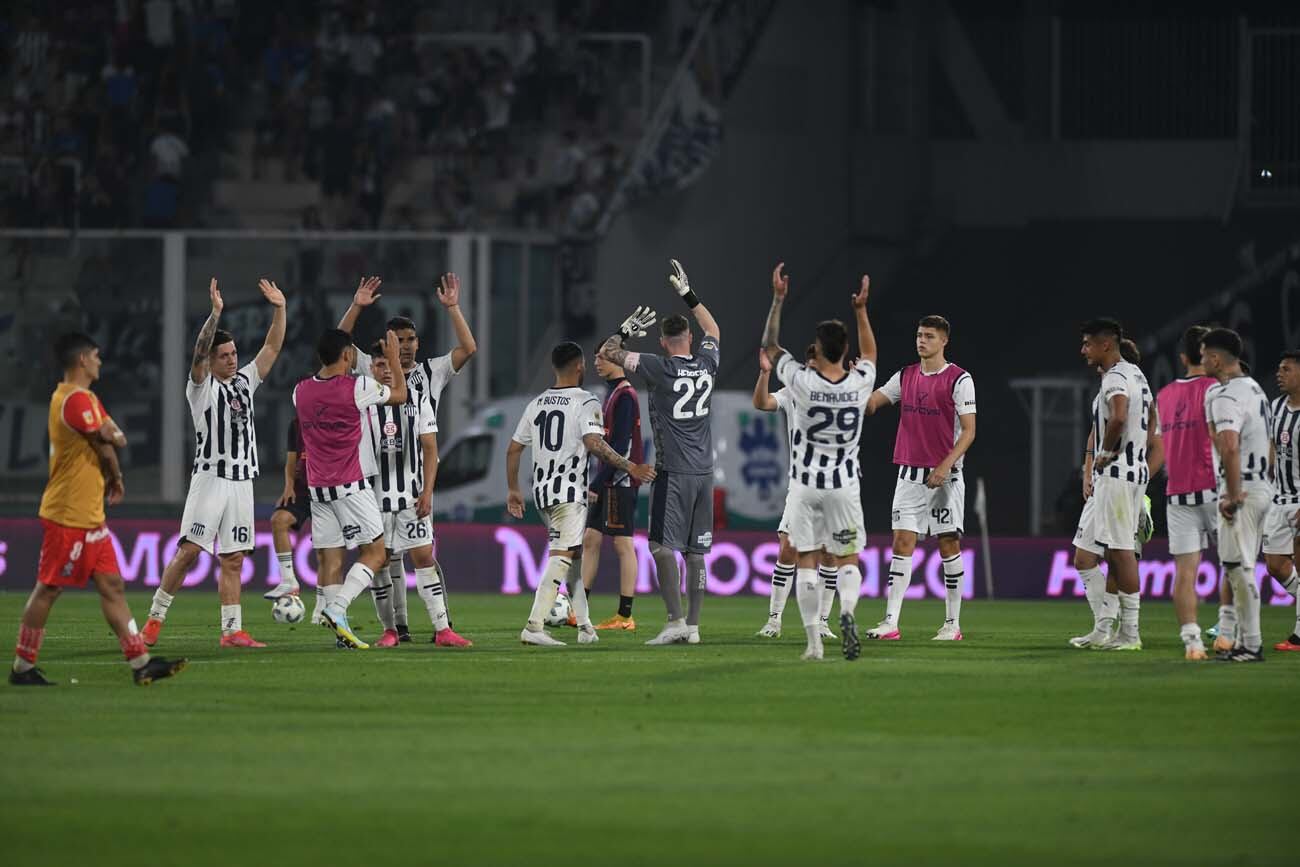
[679, 385]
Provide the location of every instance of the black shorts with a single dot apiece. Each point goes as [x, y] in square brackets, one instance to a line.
[614, 512]
[300, 508]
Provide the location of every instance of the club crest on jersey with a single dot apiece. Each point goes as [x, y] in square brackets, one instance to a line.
[553, 533]
[351, 531]
[198, 530]
[390, 428]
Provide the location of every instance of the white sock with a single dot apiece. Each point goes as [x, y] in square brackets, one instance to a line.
[232, 619]
[381, 590]
[782, 580]
[900, 578]
[954, 573]
[850, 588]
[547, 589]
[428, 582]
[1110, 610]
[1292, 586]
[397, 572]
[1228, 622]
[320, 602]
[1190, 633]
[808, 594]
[1130, 606]
[162, 600]
[830, 579]
[1245, 596]
[331, 593]
[357, 582]
[578, 596]
[287, 575]
[1094, 588]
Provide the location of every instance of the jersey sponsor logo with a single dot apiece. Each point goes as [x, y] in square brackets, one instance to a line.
[704, 540]
[88, 417]
[390, 428]
[553, 533]
[845, 537]
[198, 529]
[1285, 438]
[97, 535]
[897, 514]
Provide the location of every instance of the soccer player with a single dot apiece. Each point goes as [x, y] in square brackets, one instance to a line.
[612, 497]
[405, 443]
[425, 380]
[787, 560]
[936, 427]
[1238, 416]
[76, 547]
[1281, 547]
[562, 425]
[680, 385]
[1191, 491]
[292, 512]
[824, 503]
[332, 408]
[218, 516]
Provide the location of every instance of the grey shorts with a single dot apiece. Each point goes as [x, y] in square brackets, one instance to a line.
[681, 512]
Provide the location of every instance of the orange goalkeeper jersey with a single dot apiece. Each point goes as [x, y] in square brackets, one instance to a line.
[74, 496]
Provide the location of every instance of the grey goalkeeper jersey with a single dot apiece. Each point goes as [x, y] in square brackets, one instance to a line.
[679, 389]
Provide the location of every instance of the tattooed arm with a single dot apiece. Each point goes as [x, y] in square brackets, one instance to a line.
[203, 346]
[772, 329]
[603, 451]
[613, 350]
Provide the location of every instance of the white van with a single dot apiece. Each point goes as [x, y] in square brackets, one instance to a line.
[750, 460]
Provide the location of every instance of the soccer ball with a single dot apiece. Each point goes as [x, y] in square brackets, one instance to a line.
[559, 613]
[288, 609]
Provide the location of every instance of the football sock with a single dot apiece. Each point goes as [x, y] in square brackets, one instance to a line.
[850, 588]
[287, 575]
[1130, 605]
[547, 589]
[331, 593]
[900, 577]
[232, 619]
[429, 582]
[397, 573]
[954, 573]
[29, 647]
[808, 595]
[697, 582]
[162, 600]
[578, 594]
[1245, 596]
[1228, 622]
[320, 601]
[670, 579]
[1190, 633]
[381, 590]
[134, 650]
[1110, 610]
[829, 576]
[1292, 586]
[357, 582]
[625, 605]
[782, 580]
[1094, 588]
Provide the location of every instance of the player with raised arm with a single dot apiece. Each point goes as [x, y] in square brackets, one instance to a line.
[562, 425]
[824, 503]
[1238, 416]
[218, 516]
[344, 513]
[679, 386]
[405, 443]
[936, 427]
[425, 380]
[76, 546]
[1281, 545]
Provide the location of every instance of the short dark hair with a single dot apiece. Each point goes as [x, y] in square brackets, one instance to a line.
[810, 353]
[1128, 350]
[564, 354]
[834, 339]
[220, 337]
[1224, 340]
[329, 349]
[1290, 355]
[938, 323]
[674, 326]
[68, 348]
[1191, 345]
[377, 349]
[1103, 326]
[401, 323]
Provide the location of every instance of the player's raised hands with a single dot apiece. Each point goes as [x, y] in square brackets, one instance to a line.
[860, 297]
[391, 348]
[780, 281]
[271, 292]
[367, 292]
[642, 472]
[449, 289]
[636, 324]
[681, 283]
[515, 504]
[764, 362]
[214, 294]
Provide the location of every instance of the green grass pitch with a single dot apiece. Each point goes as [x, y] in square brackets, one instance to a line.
[1009, 748]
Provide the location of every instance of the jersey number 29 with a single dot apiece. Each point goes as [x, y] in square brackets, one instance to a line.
[700, 388]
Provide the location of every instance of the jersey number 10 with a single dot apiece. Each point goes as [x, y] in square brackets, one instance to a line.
[550, 429]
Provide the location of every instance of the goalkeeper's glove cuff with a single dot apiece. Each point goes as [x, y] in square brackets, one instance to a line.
[692, 300]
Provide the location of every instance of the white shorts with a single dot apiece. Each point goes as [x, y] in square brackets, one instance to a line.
[1192, 528]
[1241, 538]
[1110, 516]
[404, 530]
[565, 524]
[930, 511]
[824, 519]
[348, 522]
[1280, 530]
[219, 511]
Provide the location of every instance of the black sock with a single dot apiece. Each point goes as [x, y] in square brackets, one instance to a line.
[625, 606]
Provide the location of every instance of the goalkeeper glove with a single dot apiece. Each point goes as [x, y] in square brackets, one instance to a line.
[683, 285]
[636, 324]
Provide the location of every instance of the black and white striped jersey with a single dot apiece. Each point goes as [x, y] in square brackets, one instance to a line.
[224, 430]
[1130, 463]
[1240, 405]
[1285, 428]
[426, 380]
[826, 419]
[553, 424]
[394, 435]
